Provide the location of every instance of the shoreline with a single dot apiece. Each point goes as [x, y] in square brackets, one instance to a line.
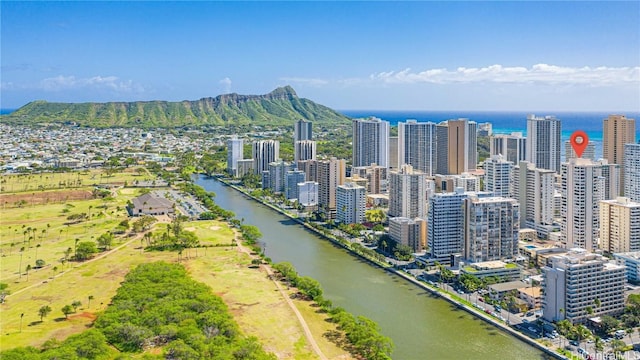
[441, 294]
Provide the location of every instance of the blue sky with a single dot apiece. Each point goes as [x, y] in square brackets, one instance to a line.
[551, 56]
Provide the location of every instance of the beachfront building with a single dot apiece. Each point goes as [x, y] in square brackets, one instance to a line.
[619, 225]
[543, 142]
[370, 142]
[581, 285]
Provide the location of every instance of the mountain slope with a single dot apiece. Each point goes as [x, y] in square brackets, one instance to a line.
[281, 106]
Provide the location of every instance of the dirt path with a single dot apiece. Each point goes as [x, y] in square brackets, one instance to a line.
[303, 323]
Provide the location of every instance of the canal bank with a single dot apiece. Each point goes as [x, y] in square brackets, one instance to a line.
[419, 322]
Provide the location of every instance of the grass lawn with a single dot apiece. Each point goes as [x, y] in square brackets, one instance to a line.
[252, 298]
[66, 180]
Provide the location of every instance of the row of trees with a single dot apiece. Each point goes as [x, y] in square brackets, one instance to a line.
[363, 334]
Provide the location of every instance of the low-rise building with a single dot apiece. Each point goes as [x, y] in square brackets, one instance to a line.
[409, 232]
[532, 295]
[151, 204]
[499, 269]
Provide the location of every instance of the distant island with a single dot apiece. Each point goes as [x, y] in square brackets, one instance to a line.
[282, 106]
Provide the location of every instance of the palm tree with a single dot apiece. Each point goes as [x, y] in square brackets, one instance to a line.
[28, 269]
[583, 333]
[599, 346]
[90, 298]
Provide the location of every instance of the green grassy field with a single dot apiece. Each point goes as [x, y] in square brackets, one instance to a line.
[253, 299]
[68, 180]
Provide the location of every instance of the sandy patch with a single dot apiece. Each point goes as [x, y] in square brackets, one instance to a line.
[214, 228]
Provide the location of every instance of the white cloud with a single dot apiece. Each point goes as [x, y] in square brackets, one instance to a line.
[60, 83]
[305, 81]
[539, 73]
[226, 85]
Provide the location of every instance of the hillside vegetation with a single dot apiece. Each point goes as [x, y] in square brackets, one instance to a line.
[281, 106]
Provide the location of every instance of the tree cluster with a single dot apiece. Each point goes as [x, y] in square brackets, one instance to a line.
[159, 305]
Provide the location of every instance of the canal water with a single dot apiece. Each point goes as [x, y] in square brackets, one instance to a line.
[421, 325]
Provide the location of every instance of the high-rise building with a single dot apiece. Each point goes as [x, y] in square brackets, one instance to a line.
[512, 147]
[304, 150]
[617, 131]
[534, 190]
[619, 225]
[448, 183]
[244, 167]
[377, 177]
[543, 142]
[445, 225]
[442, 144]
[370, 142]
[350, 203]
[462, 146]
[583, 187]
[308, 194]
[277, 176]
[302, 131]
[234, 153]
[589, 151]
[611, 174]
[417, 145]
[292, 179]
[409, 232]
[407, 193]
[264, 152]
[497, 175]
[632, 171]
[330, 174]
[310, 168]
[393, 152]
[581, 285]
[491, 228]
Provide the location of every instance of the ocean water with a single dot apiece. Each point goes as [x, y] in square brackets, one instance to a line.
[503, 122]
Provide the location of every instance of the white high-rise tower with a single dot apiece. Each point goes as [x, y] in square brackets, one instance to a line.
[543, 142]
[370, 142]
[417, 145]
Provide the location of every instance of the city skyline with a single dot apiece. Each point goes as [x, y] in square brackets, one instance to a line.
[500, 56]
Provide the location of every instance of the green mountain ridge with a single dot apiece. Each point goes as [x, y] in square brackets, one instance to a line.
[281, 106]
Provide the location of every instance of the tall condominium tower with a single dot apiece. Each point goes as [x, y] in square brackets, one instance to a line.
[350, 203]
[330, 174]
[445, 225]
[497, 174]
[264, 152]
[491, 228]
[234, 153]
[632, 171]
[304, 150]
[417, 145]
[580, 285]
[543, 142]
[534, 190]
[462, 146]
[393, 152]
[512, 147]
[407, 193]
[442, 144]
[370, 142]
[302, 130]
[278, 176]
[619, 225]
[570, 153]
[583, 187]
[617, 131]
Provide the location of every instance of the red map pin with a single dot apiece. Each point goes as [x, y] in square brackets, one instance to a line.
[579, 141]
